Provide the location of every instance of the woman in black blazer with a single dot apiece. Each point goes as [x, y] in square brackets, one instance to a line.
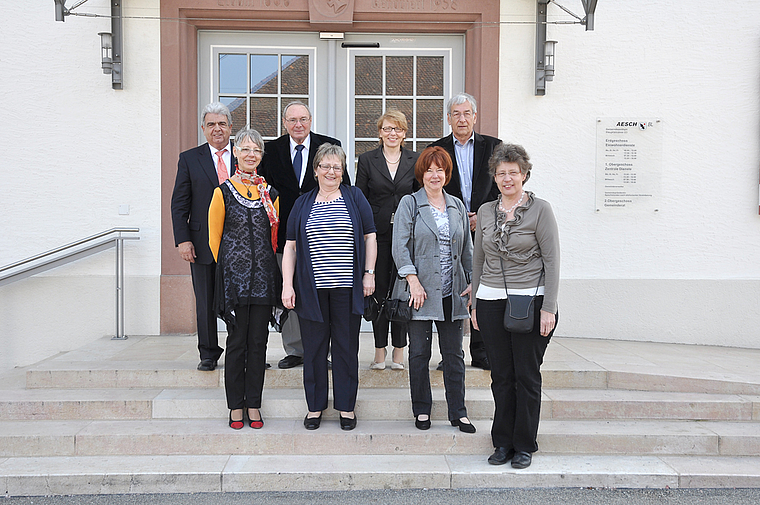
[385, 175]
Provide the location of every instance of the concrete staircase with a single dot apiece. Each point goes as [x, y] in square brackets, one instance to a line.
[136, 417]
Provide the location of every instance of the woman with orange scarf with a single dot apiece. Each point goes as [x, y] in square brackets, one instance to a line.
[243, 219]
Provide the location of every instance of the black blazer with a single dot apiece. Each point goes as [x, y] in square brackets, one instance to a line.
[382, 192]
[277, 169]
[483, 188]
[193, 189]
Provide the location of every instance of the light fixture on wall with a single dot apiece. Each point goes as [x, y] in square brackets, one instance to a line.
[545, 48]
[106, 48]
[111, 43]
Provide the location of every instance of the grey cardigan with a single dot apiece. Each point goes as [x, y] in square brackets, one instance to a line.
[427, 264]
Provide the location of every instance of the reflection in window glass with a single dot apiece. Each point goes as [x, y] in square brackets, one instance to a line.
[295, 75]
[264, 74]
[430, 118]
[365, 115]
[237, 109]
[369, 75]
[232, 73]
[399, 75]
[363, 146]
[430, 75]
[264, 115]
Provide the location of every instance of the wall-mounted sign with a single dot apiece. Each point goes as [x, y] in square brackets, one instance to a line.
[628, 163]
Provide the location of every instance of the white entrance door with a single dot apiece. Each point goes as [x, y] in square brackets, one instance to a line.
[348, 83]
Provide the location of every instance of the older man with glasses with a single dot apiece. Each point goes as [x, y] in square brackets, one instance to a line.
[288, 166]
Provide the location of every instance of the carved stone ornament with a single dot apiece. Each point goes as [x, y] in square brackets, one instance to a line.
[331, 11]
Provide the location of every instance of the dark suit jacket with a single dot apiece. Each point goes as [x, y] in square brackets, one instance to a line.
[277, 169]
[193, 189]
[483, 188]
[382, 192]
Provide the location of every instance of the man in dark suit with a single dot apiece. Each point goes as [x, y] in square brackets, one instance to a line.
[470, 181]
[199, 171]
[288, 166]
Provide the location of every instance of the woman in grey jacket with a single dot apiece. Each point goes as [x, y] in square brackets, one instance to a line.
[516, 253]
[432, 249]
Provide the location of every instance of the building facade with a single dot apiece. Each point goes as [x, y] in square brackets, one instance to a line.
[684, 267]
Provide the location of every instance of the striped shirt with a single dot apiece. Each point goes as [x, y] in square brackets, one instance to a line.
[331, 243]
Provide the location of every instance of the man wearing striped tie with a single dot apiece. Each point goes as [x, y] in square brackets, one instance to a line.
[199, 171]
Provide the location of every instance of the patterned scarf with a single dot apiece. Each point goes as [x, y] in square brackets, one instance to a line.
[261, 185]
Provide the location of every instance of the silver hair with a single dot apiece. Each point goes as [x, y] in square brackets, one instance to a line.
[510, 153]
[216, 108]
[295, 102]
[460, 99]
[328, 149]
[250, 134]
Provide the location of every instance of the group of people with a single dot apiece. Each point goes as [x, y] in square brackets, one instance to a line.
[450, 231]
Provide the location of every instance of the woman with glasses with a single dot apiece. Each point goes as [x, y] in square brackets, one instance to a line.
[243, 219]
[385, 175]
[328, 268]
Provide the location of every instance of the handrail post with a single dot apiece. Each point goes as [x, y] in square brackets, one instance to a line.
[119, 289]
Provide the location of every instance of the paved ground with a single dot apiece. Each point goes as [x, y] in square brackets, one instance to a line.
[419, 496]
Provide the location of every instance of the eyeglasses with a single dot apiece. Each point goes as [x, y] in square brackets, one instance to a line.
[397, 129]
[220, 124]
[326, 168]
[456, 114]
[245, 151]
[502, 175]
[294, 120]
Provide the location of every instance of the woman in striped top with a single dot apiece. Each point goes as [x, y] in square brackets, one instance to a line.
[328, 267]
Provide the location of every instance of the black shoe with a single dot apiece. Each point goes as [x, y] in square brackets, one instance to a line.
[440, 366]
[312, 423]
[207, 365]
[237, 425]
[481, 363]
[501, 455]
[422, 425]
[467, 427]
[290, 361]
[267, 366]
[329, 364]
[347, 423]
[521, 459]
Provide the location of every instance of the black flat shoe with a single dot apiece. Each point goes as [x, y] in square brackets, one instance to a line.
[312, 423]
[256, 424]
[207, 365]
[522, 460]
[481, 363]
[501, 455]
[290, 361]
[347, 423]
[465, 427]
[237, 425]
[422, 425]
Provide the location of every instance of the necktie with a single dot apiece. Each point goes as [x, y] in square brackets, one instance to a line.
[298, 162]
[221, 168]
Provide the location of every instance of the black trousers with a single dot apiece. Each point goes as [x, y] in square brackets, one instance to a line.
[203, 285]
[245, 362]
[383, 270]
[339, 334]
[516, 360]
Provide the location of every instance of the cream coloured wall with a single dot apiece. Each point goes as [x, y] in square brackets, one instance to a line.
[75, 149]
[691, 272]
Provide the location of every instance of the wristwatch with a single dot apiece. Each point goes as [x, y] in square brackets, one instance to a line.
[371, 272]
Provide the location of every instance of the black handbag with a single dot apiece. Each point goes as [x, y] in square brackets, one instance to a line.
[371, 308]
[398, 309]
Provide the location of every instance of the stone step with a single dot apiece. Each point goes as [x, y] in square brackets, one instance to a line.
[67, 475]
[377, 404]
[61, 374]
[287, 436]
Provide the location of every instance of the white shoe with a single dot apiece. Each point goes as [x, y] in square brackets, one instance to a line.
[377, 366]
[396, 366]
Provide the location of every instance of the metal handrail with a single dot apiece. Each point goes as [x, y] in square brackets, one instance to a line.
[84, 247]
[69, 246]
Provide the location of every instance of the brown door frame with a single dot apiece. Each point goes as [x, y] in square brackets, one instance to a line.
[180, 22]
